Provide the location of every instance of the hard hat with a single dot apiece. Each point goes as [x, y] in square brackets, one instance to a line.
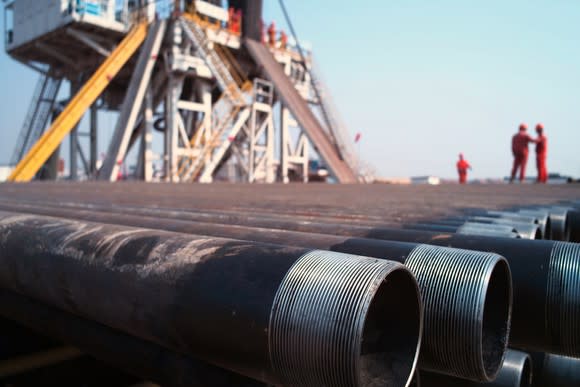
[523, 126]
[540, 126]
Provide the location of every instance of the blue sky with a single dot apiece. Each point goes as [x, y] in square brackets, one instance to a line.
[424, 80]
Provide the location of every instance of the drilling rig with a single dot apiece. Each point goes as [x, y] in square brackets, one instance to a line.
[230, 101]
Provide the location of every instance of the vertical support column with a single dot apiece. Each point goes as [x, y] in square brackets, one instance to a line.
[73, 137]
[270, 173]
[305, 159]
[93, 137]
[171, 131]
[284, 141]
[292, 154]
[147, 138]
[252, 155]
[205, 91]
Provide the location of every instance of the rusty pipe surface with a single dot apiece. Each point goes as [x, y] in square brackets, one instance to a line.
[487, 286]
[516, 371]
[156, 286]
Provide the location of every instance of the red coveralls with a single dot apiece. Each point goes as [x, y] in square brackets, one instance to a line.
[272, 34]
[462, 167]
[283, 40]
[520, 143]
[541, 153]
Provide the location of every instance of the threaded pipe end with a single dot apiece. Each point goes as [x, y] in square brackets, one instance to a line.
[344, 320]
[563, 298]
[467, 299]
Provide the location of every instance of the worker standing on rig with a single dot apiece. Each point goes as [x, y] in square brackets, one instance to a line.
[462, 167]
[520, 143]
[541, 154]
[283, 40]
[272, 34]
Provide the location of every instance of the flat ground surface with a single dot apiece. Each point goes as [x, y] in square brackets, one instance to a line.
[376, 202]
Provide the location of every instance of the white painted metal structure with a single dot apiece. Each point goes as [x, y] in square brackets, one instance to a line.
[188, 80]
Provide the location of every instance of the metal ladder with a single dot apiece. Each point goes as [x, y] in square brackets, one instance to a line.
[229, 79]
[71, 115]
[38, 115]
[219, 69]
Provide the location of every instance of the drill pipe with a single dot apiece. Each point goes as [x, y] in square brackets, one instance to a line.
[230, 303]
[574, 224]
[573, 220]
[541, 218]
[135, 356]
[558, 219]
[497, 220]
[436, 269]
[497, 232]
[524, 230]
[556, 371]
[516, 371]
[546, 274]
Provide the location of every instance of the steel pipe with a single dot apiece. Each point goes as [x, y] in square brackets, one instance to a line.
[542, 218]
[546, 274]
[139, 357]
[526, 224]
[516, 371]
[435, 268]
[574, 224]
[558, 219]
[154, 285]
[474, 227]
[497, 232]
[556, 371]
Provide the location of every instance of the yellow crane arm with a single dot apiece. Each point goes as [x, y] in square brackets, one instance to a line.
[71, 115]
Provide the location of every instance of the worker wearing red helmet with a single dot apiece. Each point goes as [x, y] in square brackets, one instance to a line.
[541, 154]
[283, 40]
[520, 143]
[462, 167]
[272, 34]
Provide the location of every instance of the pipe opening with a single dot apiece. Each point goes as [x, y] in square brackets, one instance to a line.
[340, 319]
[526, 375]
[538, 235]
[392, 331]
[496, 318]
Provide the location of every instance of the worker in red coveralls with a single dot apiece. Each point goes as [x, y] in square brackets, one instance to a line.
[520, 143]
[272, 34]
[238, 21]
[541, 153]
[462, 167]
[231, 15]
[283, 40]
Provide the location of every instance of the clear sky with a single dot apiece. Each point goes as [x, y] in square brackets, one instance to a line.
[424, 80]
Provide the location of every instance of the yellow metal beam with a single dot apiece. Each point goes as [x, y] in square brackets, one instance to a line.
[71, 115]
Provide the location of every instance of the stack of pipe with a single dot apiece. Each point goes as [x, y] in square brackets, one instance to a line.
[276, 286]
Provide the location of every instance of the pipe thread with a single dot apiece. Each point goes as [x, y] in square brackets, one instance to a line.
[454, 285]
[318, 319]
[563, 303]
